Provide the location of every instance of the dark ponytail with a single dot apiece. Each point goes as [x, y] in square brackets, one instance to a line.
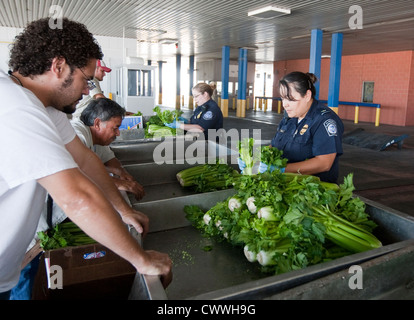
[302, 82]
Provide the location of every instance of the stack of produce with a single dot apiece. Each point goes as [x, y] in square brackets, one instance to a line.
[63, 235]
[208, 177]
[288, 221]
[155, 127]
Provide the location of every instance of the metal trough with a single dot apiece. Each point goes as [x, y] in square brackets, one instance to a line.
[223, 272]
[170, 151]
[388, 277]
[160, 181]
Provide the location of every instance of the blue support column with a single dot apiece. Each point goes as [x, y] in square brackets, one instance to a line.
[225, 74]
[191, 99]
[335, 71]
[178, 82]
[316, 57]
[241, 94]
[160, 82]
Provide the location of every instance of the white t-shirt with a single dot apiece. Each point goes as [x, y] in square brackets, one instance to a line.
[104, 153]
[87, 99]
[32, 148]
[84, 133]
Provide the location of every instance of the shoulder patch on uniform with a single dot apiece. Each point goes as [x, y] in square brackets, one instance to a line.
[331, 128]
[208, 115]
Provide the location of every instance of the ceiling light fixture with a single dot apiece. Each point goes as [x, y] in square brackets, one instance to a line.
[269, 12]
[168, 41]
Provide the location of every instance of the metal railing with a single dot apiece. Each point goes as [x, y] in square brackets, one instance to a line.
[262, 103]
[357, 105]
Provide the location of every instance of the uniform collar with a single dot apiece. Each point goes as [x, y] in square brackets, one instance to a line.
[311, 111]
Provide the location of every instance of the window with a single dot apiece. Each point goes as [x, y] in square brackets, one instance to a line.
[368, 92]
[140, 83]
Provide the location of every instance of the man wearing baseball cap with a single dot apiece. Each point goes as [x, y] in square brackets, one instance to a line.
[95, 93]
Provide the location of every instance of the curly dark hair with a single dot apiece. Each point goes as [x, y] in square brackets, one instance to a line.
[35, 48]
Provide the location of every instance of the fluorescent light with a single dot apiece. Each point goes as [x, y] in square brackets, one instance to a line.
[269, 12]
[168, 41]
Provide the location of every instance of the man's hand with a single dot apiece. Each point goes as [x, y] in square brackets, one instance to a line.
[130, 186]
[138, 220]
[157, 264]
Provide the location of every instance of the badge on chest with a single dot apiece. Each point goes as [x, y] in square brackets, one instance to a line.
[304, 129]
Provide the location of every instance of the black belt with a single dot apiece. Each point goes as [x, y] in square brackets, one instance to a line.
[49, 211]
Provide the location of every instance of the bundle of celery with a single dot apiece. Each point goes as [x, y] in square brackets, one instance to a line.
[289, 221]
[63, 235]
[208, 177]
[266, 154]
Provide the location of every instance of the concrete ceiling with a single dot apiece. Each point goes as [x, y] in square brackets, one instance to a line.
[202, 28]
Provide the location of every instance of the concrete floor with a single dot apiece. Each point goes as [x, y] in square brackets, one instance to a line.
[386, 177]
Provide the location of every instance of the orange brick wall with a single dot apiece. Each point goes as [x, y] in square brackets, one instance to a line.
[394, 84]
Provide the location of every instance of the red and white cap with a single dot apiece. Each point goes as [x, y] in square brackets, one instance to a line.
[102, 65]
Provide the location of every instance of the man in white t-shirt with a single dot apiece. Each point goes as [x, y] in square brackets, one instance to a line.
[104, 117]
[94, 93]
[43, 154]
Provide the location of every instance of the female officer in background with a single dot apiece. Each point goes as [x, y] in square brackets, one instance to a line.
[311, 135]
[206, 116]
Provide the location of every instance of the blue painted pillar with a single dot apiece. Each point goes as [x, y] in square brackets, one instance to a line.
[335, 71]
[190, 98]
[225, 74]
[178, 82]
[160, 82]
[241, 94]
[316, 57]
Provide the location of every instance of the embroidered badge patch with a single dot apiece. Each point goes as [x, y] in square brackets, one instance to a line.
[304, 129]
[208, 115]
[330, 126]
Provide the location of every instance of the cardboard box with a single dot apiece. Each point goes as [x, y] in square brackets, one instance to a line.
[88, 272]
[131, 122]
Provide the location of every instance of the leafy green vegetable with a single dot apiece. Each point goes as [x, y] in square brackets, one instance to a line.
[167, 116]
[157, 131]
[266, 154]
[289, 221]
[155, 126]
[208, 177]
[63, 235]
[248, 154]
[272, 157]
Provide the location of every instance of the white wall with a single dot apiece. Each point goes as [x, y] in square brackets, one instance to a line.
[114, 50]
[111, 47]
[7, 36]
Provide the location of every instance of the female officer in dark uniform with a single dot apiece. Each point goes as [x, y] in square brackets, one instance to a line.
[207, 115]
[311, 135]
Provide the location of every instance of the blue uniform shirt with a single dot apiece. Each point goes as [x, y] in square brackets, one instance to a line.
[319, 133]
[208, 116]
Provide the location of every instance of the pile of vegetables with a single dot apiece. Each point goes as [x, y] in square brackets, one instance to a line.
[288, 221]
[63, 235]
[208, 177]
[155, 127]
